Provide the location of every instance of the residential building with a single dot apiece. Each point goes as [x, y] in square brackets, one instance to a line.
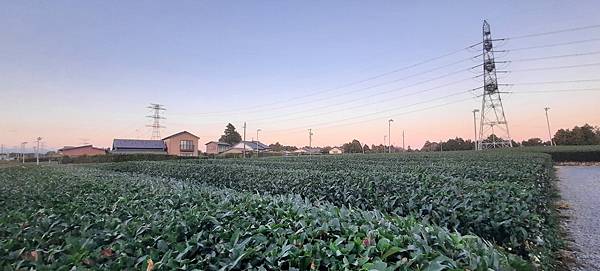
[182, 144]
[88, 150]
[248, 146]
[336, 150]
[138, 146]
[307, 150]
[251, 146]
[215, 147]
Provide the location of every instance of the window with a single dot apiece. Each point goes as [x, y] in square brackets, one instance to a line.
[186, 145]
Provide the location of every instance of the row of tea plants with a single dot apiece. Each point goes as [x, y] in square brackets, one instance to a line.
[506, 198]
[73, 218]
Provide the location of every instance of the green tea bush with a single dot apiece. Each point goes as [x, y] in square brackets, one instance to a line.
[79, 218]
[506, 198]
[119, 158]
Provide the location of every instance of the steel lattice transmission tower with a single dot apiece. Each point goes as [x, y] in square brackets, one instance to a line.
[156, 117]
[493, 127]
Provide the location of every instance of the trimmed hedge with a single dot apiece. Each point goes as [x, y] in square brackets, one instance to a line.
[73, 218]
[590, 153]
[119, 158]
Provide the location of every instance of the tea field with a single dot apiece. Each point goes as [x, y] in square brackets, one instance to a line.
[450, 211]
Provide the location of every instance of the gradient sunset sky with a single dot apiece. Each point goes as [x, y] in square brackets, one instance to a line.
[74, 71]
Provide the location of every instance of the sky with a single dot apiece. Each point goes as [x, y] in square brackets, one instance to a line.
[75, 72]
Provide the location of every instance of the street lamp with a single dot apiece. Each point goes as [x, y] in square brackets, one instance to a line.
[23, 151]
[257, 141]
[548, 123]
[475, 126]
[390, 134]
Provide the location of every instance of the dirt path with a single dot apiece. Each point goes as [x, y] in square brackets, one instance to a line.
[580, 188]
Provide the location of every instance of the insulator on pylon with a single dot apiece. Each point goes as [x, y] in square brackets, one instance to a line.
[491, 87]
[489, 65]
[487, 45]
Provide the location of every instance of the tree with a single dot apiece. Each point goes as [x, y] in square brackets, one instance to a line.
[352, 147]
[366, 148]
[430, 146]
[230, 135]
[536, 141]
[458, 144]
[277, 147]
[378, 148]
[584, 135]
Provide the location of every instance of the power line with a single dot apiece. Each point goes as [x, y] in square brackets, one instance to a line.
[555, 56]
[555, 82]
[553, 45]
[559, 67]
[384, 111]
[554, 32]
[364, 104]
[380, 118]
[296, 104]
[405, 68]
[556, 90]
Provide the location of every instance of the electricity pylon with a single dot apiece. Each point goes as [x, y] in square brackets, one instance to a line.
[493, 127]
[156, 117]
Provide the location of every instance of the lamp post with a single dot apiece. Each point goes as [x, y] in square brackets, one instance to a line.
[384, 142]
[23, 151]
[37, 151]
[475, 127]
[390, 134]
[548, 123]
[257, 141]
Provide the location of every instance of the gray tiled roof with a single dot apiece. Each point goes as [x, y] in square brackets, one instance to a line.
[138, 144]
[252, 144]
[218, 143]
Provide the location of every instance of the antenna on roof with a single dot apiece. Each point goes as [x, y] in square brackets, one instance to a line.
[156, 108]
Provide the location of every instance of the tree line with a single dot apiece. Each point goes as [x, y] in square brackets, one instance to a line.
[579, 135]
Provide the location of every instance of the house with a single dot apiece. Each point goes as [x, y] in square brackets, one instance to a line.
[215, 147]
[251, 146]
[138, 146]
[88, 150]
[306, 150]
[336, 150]
[5, 156]
[300, 151]
[248, 146]
[182, 144]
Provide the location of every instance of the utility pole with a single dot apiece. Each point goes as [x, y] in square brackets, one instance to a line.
[492, 111]
[441, 145]
[390, 134]
[548, 123]
[257, 142]
[244, 140]
[403, 149]
[310, 134]
[476, 142]
[156, 117]
[37, 151]
[23, 151]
